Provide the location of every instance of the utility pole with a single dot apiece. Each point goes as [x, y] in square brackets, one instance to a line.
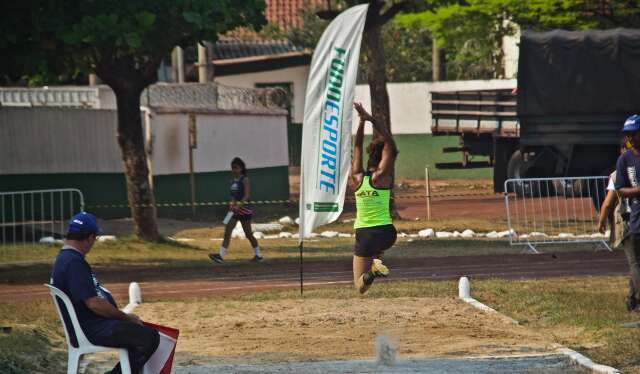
[205, 68]
[177, 65]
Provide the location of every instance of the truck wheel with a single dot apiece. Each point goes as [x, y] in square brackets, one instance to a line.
[515, 170]
[518, 168]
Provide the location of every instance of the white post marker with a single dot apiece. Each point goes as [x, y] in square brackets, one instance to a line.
[428, 187]
[135, 297]
[464, 288]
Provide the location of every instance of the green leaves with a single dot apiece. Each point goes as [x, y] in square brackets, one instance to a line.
[145, 19]
[133, 40]
[71, 34]
[194, 18]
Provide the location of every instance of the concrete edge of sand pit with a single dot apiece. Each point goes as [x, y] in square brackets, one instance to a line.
[464, 293]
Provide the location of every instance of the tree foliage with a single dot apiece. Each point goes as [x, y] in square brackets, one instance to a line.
[63, 37]
[407, 47]
[408, 53]
[472, 31]
[123, 42]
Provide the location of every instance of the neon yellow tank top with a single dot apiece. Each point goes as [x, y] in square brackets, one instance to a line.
[372, 205]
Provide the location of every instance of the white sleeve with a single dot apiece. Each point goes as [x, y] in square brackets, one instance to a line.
[610, 186]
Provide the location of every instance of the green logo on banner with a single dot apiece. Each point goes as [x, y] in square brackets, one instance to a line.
[325, 207]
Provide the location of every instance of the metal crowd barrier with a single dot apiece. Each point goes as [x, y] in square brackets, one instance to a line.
[28, 216]
[555, 210]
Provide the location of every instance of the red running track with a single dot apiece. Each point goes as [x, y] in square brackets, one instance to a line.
[229, 279]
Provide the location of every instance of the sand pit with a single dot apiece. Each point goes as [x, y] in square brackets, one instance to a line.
[333, 335]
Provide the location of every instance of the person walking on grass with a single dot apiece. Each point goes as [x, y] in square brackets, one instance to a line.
[242, 211]
[615, 209]
[374, 228]
[628, 186]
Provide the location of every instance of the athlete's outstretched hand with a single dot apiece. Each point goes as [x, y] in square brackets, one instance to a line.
[362, 112]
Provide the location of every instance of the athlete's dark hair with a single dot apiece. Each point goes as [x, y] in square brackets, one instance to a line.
[238, 162]
[374, 151]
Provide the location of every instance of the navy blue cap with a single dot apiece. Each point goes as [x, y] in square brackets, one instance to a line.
[84, 222]
[632, 124]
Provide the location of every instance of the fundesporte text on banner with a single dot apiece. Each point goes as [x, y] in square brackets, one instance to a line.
[326, 131]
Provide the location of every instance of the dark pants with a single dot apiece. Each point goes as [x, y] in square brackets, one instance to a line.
[632, 250]
[140, 341]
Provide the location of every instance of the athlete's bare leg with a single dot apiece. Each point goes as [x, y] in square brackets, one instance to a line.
[246, 226]
[227, 232]
[361, 265]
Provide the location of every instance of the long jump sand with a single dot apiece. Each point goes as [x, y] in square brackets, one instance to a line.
[440, 335]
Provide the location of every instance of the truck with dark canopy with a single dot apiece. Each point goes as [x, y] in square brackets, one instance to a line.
[574, 91]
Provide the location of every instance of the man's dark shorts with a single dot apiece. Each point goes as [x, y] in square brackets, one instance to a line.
[372, 241]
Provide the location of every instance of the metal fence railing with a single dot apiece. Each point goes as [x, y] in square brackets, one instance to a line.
[555, 210]
[28, 216]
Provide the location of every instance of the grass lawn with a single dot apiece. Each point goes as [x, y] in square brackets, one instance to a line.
[418, 151]
[36, 343]
[130, 251]
[585, 314]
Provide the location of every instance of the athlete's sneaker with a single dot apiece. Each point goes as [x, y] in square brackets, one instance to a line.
[379, 269]
[216, 258]
[256, 258]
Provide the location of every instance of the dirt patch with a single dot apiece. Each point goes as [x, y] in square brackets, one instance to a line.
[291, 330]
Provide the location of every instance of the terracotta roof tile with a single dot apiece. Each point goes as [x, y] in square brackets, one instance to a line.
[287, 13]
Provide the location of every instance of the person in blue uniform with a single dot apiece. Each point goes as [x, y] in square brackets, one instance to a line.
[240, 191]
[627, 184]
[100, 319]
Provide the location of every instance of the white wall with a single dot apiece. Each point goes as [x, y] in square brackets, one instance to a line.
[296, 75]
[259, 139]
[58, 140]
[66, 140]
[410, 103]
[511, 53]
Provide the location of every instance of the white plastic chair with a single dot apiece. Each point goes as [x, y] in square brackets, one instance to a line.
[84, 345]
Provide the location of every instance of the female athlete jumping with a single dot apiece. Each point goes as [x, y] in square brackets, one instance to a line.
[375, 232]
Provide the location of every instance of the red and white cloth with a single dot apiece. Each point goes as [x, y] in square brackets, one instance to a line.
[162, 359]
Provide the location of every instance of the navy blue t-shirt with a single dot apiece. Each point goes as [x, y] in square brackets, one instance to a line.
[72, 274]
[237, 188]
[627, 169]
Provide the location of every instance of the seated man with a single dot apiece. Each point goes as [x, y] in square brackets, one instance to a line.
[101, 320]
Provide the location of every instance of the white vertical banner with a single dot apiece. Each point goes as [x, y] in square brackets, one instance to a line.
[326, 131]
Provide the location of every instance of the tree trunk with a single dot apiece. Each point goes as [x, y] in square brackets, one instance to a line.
[439, 63]
[377, 79]
[376, 75]
[130, 139]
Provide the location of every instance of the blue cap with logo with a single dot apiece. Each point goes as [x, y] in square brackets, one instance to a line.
[632, 124]
[84, 222]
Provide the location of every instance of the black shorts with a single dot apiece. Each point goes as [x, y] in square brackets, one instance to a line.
[242, 217]
[372, 241]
